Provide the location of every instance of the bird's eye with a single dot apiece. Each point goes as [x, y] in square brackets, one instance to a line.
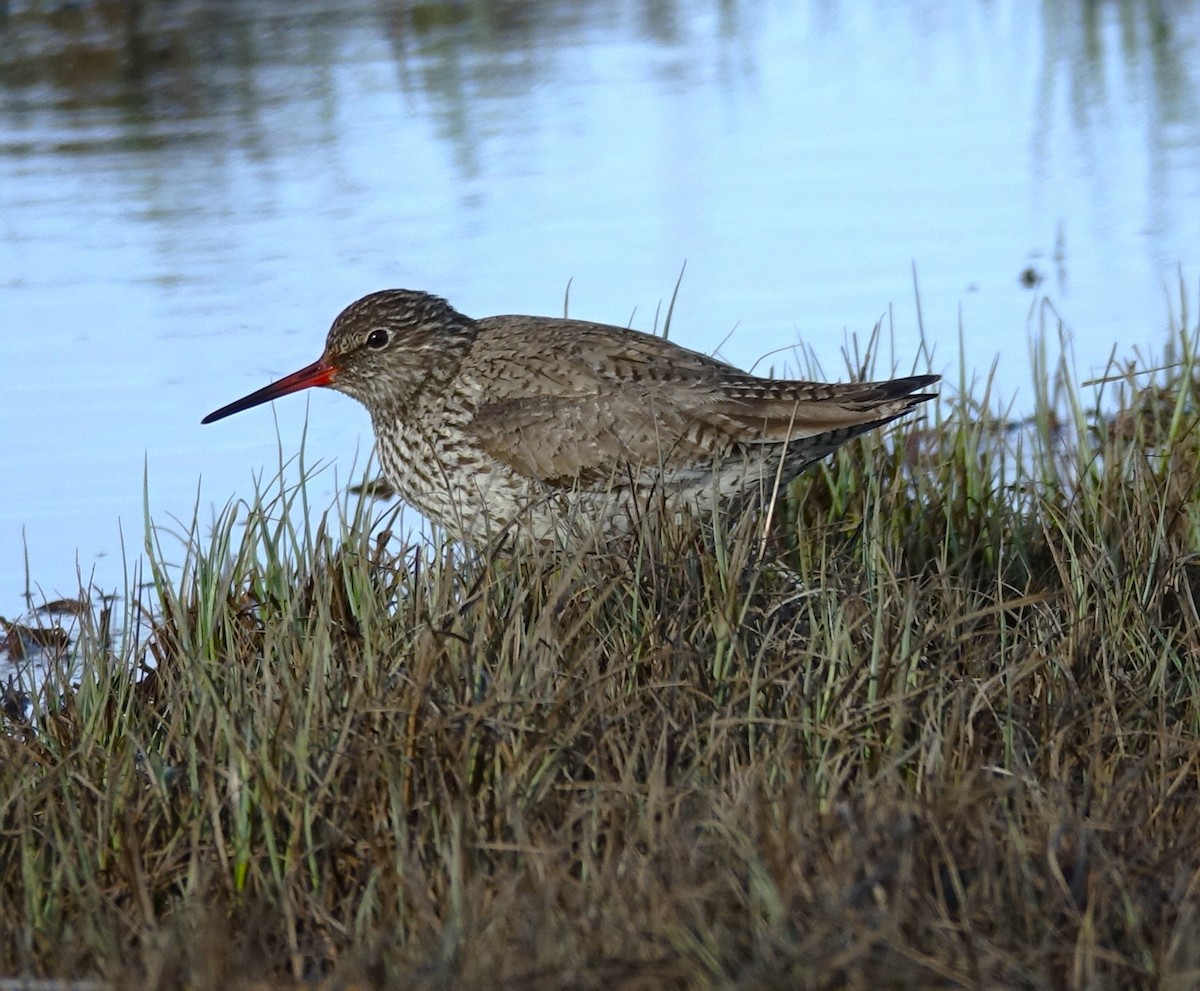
[377, 339]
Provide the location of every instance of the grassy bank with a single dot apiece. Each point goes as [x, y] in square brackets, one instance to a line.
[944, 731]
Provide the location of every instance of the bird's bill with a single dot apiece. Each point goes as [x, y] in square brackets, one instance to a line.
[320, 372]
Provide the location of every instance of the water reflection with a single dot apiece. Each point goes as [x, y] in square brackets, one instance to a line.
[1108, 53]
[190, 191]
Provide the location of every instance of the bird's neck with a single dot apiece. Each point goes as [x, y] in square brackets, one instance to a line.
[429, 381]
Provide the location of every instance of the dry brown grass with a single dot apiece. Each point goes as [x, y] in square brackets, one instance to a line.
[949, 736]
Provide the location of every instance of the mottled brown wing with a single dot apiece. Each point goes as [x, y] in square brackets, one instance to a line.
[772, 411]
[592, 402]
[593, 440]
[569, 400]
[597, 438]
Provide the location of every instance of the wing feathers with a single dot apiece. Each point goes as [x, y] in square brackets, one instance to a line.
[590, 438]
[614, 400]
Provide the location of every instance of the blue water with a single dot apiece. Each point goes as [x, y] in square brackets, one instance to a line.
[180, 220]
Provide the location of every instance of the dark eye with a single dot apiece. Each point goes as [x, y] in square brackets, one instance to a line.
[377, 339]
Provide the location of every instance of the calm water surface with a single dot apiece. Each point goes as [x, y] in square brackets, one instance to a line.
[186, 203]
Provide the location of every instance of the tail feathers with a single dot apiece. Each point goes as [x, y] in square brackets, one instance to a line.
[878, 403]
[904, 388]
[813, 411]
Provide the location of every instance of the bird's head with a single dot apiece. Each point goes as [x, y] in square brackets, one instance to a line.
[382, 349]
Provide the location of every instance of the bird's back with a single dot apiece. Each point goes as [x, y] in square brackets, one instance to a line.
[564, 401]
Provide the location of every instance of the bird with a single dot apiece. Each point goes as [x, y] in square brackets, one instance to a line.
[538, 430]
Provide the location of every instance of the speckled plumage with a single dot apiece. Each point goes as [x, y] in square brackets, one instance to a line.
[536, 429]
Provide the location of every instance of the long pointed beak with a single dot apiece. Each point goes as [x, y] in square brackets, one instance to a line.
[320, 372]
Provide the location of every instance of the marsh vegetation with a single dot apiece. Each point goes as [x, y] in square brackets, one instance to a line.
[941, 730]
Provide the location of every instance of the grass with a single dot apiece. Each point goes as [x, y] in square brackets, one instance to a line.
[944, 733]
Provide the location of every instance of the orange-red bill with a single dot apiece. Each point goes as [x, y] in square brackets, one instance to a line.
[320, 372]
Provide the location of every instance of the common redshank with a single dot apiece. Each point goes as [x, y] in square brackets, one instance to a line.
[536, 429]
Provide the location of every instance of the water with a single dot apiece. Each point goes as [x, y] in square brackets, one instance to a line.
[186, 204]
